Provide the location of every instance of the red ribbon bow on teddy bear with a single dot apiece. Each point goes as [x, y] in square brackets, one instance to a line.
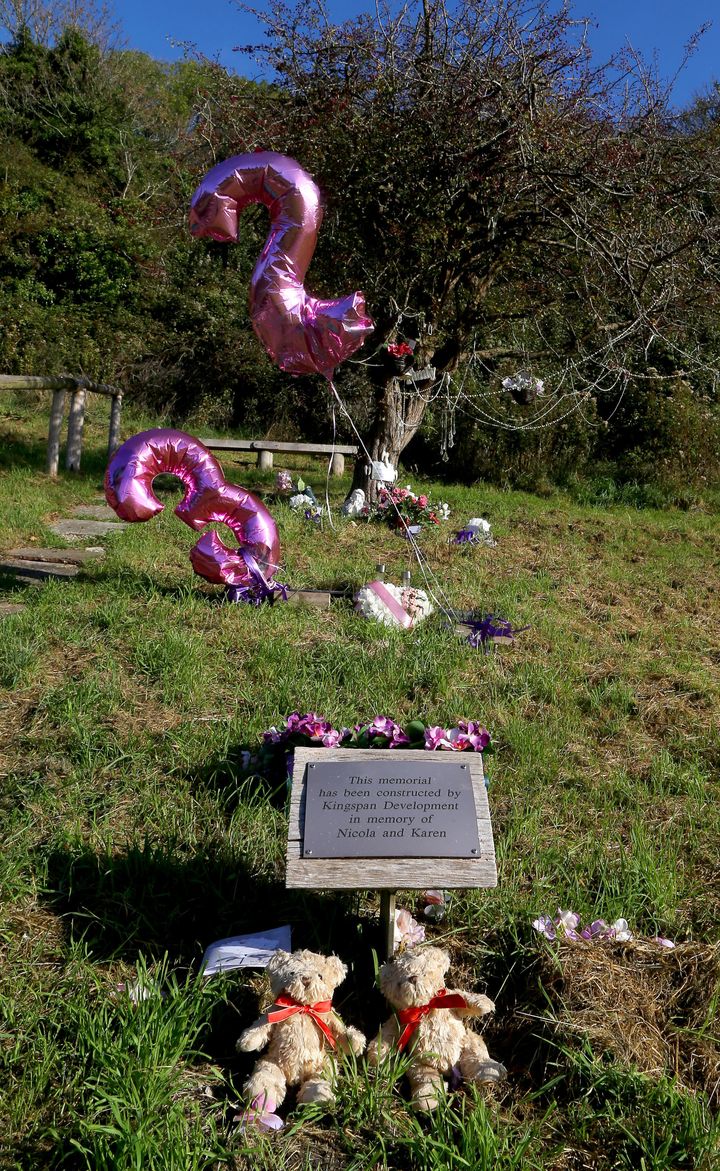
[411, 1017]
[290, 1007]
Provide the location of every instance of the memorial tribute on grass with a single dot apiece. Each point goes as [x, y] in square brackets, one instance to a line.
[411, 813]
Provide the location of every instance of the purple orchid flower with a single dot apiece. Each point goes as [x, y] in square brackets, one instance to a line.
[545, 926]
[469, 736]
[567, 925]
[437, 737]
[384, 726]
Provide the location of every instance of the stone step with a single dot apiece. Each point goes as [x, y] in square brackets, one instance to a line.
[57, 556]
[34, 571]
[7, 608]
[76, 530]
[95, 512]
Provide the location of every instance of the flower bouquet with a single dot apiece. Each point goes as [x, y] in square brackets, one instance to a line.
[304, 500]
[477, 531]
[397, 357]
[283, 481]
[405, 511]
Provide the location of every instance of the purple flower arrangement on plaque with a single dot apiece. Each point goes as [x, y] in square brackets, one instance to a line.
[274, 758]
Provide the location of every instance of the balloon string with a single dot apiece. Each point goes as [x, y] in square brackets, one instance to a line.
[329, 467]
[443, 605]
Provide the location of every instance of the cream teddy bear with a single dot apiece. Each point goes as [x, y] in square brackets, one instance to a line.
[301, 1030]
[428, 1025]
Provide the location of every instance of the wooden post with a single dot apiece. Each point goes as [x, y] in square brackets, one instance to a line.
[76, 422]
[53, 446]
[387, 922]
[265, 461]
[114, 432]
[337, 464]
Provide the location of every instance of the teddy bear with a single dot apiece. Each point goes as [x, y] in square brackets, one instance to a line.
[428, 1025]
[300, 1029]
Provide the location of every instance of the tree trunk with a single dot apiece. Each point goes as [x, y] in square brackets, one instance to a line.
[399, 410]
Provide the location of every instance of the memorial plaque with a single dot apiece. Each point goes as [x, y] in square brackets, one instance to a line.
[389, 808]
[324, 854]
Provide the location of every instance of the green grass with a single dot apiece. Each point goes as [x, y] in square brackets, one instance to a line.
[132, 837]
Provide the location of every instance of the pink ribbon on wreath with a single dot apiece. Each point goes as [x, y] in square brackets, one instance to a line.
[383, 593]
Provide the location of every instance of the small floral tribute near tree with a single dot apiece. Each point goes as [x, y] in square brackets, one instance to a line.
[283, 481]
[396, 358]
[303, 499]
[405, 511]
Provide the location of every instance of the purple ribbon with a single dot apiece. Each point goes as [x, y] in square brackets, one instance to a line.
[484, 630]
[467, 537]
[260, 590]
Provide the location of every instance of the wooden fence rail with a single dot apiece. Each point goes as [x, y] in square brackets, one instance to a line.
[77, 388]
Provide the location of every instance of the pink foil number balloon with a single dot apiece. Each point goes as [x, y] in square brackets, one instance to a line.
[302, 334]
[208, 499]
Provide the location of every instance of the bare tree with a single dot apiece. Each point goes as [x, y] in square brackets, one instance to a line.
[45, 20]
[498, 196]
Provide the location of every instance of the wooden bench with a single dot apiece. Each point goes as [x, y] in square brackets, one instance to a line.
[267, 447]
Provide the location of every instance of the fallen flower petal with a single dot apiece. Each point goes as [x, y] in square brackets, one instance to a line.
[620, 930]
[545, 926]
[568, 920]
[408, 931]
[260, 1113]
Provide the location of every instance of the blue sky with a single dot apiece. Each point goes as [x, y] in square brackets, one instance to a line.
[659, 28]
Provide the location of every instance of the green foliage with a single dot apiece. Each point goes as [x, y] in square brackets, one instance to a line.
[98, 274]
[619, 1112]
[134, 1107]
[58, 102]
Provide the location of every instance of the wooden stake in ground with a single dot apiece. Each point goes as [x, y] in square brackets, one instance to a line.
[388, 820]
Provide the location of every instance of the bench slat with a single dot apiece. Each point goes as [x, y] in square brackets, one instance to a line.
[275, 445]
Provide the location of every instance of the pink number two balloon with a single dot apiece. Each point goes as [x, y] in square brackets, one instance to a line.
[208, 499]
[303, 334]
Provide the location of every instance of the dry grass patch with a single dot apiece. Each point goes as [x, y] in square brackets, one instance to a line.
[649, 1007]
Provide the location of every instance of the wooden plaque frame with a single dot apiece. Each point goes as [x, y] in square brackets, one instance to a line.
[389, 874]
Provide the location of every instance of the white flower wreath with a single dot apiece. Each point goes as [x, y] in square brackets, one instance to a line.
[416, 603]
